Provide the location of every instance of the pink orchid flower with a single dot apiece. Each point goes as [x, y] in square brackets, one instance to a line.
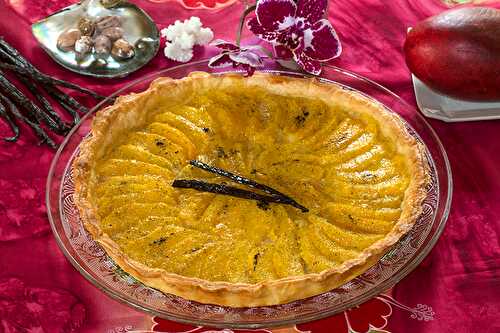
[233, 55]
[297, 31]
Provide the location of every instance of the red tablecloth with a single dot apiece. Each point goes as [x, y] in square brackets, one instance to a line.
[456, 289]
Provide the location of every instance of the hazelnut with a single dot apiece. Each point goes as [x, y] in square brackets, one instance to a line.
[66, 41]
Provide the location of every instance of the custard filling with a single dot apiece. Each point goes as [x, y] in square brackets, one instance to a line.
[334, 161]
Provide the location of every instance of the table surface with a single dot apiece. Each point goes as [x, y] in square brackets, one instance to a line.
[455, 289]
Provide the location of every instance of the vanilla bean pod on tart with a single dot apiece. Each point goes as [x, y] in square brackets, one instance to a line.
[234, 191]
[251, 183]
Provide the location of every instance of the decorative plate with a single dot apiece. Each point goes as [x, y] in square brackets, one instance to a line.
[92, 261]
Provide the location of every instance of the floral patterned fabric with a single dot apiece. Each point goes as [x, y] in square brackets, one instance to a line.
[454, 290]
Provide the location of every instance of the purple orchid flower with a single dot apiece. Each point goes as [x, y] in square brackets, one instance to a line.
[297, 31]
[233, 55]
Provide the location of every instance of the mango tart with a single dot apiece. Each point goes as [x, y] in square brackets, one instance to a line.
[345, 157]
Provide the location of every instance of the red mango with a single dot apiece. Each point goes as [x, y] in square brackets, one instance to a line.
[457, 53]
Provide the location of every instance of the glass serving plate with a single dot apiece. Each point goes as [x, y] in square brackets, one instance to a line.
[93, 262]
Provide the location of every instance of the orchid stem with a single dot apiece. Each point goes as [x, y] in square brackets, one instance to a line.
[247, 11]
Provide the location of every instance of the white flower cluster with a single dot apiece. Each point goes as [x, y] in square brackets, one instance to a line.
[182, 36]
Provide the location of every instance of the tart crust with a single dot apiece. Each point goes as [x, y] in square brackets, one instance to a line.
[128, 113]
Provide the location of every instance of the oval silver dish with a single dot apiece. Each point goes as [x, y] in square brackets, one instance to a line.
[140, 31]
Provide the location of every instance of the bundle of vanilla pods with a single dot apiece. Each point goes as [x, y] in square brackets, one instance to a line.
[37, 110]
